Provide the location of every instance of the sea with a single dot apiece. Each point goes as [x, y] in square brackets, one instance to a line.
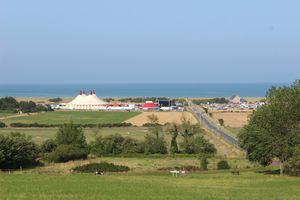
[201, 90]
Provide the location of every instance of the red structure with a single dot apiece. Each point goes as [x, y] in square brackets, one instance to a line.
[149, 105]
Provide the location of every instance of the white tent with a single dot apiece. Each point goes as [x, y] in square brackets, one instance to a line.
[84, 102]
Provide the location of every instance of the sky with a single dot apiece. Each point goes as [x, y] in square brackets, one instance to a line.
[157, 41]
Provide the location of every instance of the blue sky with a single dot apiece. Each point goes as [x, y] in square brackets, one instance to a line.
[157, 41]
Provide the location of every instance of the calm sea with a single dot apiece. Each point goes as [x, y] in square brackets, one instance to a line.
[139, 90]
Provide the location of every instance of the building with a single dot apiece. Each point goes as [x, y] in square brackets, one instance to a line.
[235, 99]
[149, 105]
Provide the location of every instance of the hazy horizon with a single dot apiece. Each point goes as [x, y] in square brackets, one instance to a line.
[106, 42]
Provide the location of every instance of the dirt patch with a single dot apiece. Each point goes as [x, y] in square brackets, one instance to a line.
[163, 117]
[232, 119]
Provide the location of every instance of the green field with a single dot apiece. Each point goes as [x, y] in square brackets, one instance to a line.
[128, 186]
[41, 134]
[78, 117]
[6, 114]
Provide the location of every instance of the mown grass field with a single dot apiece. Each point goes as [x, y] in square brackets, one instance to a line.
[248, 185]
[78, 117]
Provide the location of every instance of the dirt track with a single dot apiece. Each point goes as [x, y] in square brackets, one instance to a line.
[163, 117]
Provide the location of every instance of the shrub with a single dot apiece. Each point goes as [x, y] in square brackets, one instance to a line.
[203, 146]
[223, 164]
[221, 122]
[55, 100]
[17, 150]
[103, 166]
[115, 144]
[70, 134]
[204, 163]
[2, 125]
[155, 145]
[293, 164]
[64, 153]
[198, 145]
[48, 146]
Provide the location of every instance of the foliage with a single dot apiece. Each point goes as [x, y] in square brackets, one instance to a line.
[8, 103]
[55, 100]
[213, 100]
[204, 162]
[48, 146]
[66, 152]
[273, 130]
[155, 145]
[293, 163]
[2, 125]
[173, 129]
[221, 122]
[17, 150]
[115, 144]
[102, 167]
[27, 106]
[69, 134]
[223, 164]
[69, 144]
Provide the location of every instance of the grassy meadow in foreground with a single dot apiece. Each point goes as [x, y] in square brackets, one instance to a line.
[248, 185]
[78, 117]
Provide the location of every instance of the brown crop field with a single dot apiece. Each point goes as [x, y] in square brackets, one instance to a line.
[163, 117]
[232, 119]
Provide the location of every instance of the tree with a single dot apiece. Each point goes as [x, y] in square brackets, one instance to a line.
[173, 129]
[48, 146]
[293, 164]
[71, 134]
[155, 145]
[8, 103]
[221, 122]
[2, 125]
[187, 131]
[155, 127]
[27, 106]
[273, 130]
[55, 100]
[71, 144]
[223, 164]
[17, 150]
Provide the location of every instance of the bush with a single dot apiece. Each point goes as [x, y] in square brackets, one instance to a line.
[17, 150]
[115, 144]
[70, 134]
[103, 166]
[2, 125]
[55, 100]
[64, 153]
[155, 145]
[48, 146]
[8, 104]
[198, 145]
[221, 122]
[223, 164]
[293, 164]
[204, 163]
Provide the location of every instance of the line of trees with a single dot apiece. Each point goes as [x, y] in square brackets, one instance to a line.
[10, 104]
